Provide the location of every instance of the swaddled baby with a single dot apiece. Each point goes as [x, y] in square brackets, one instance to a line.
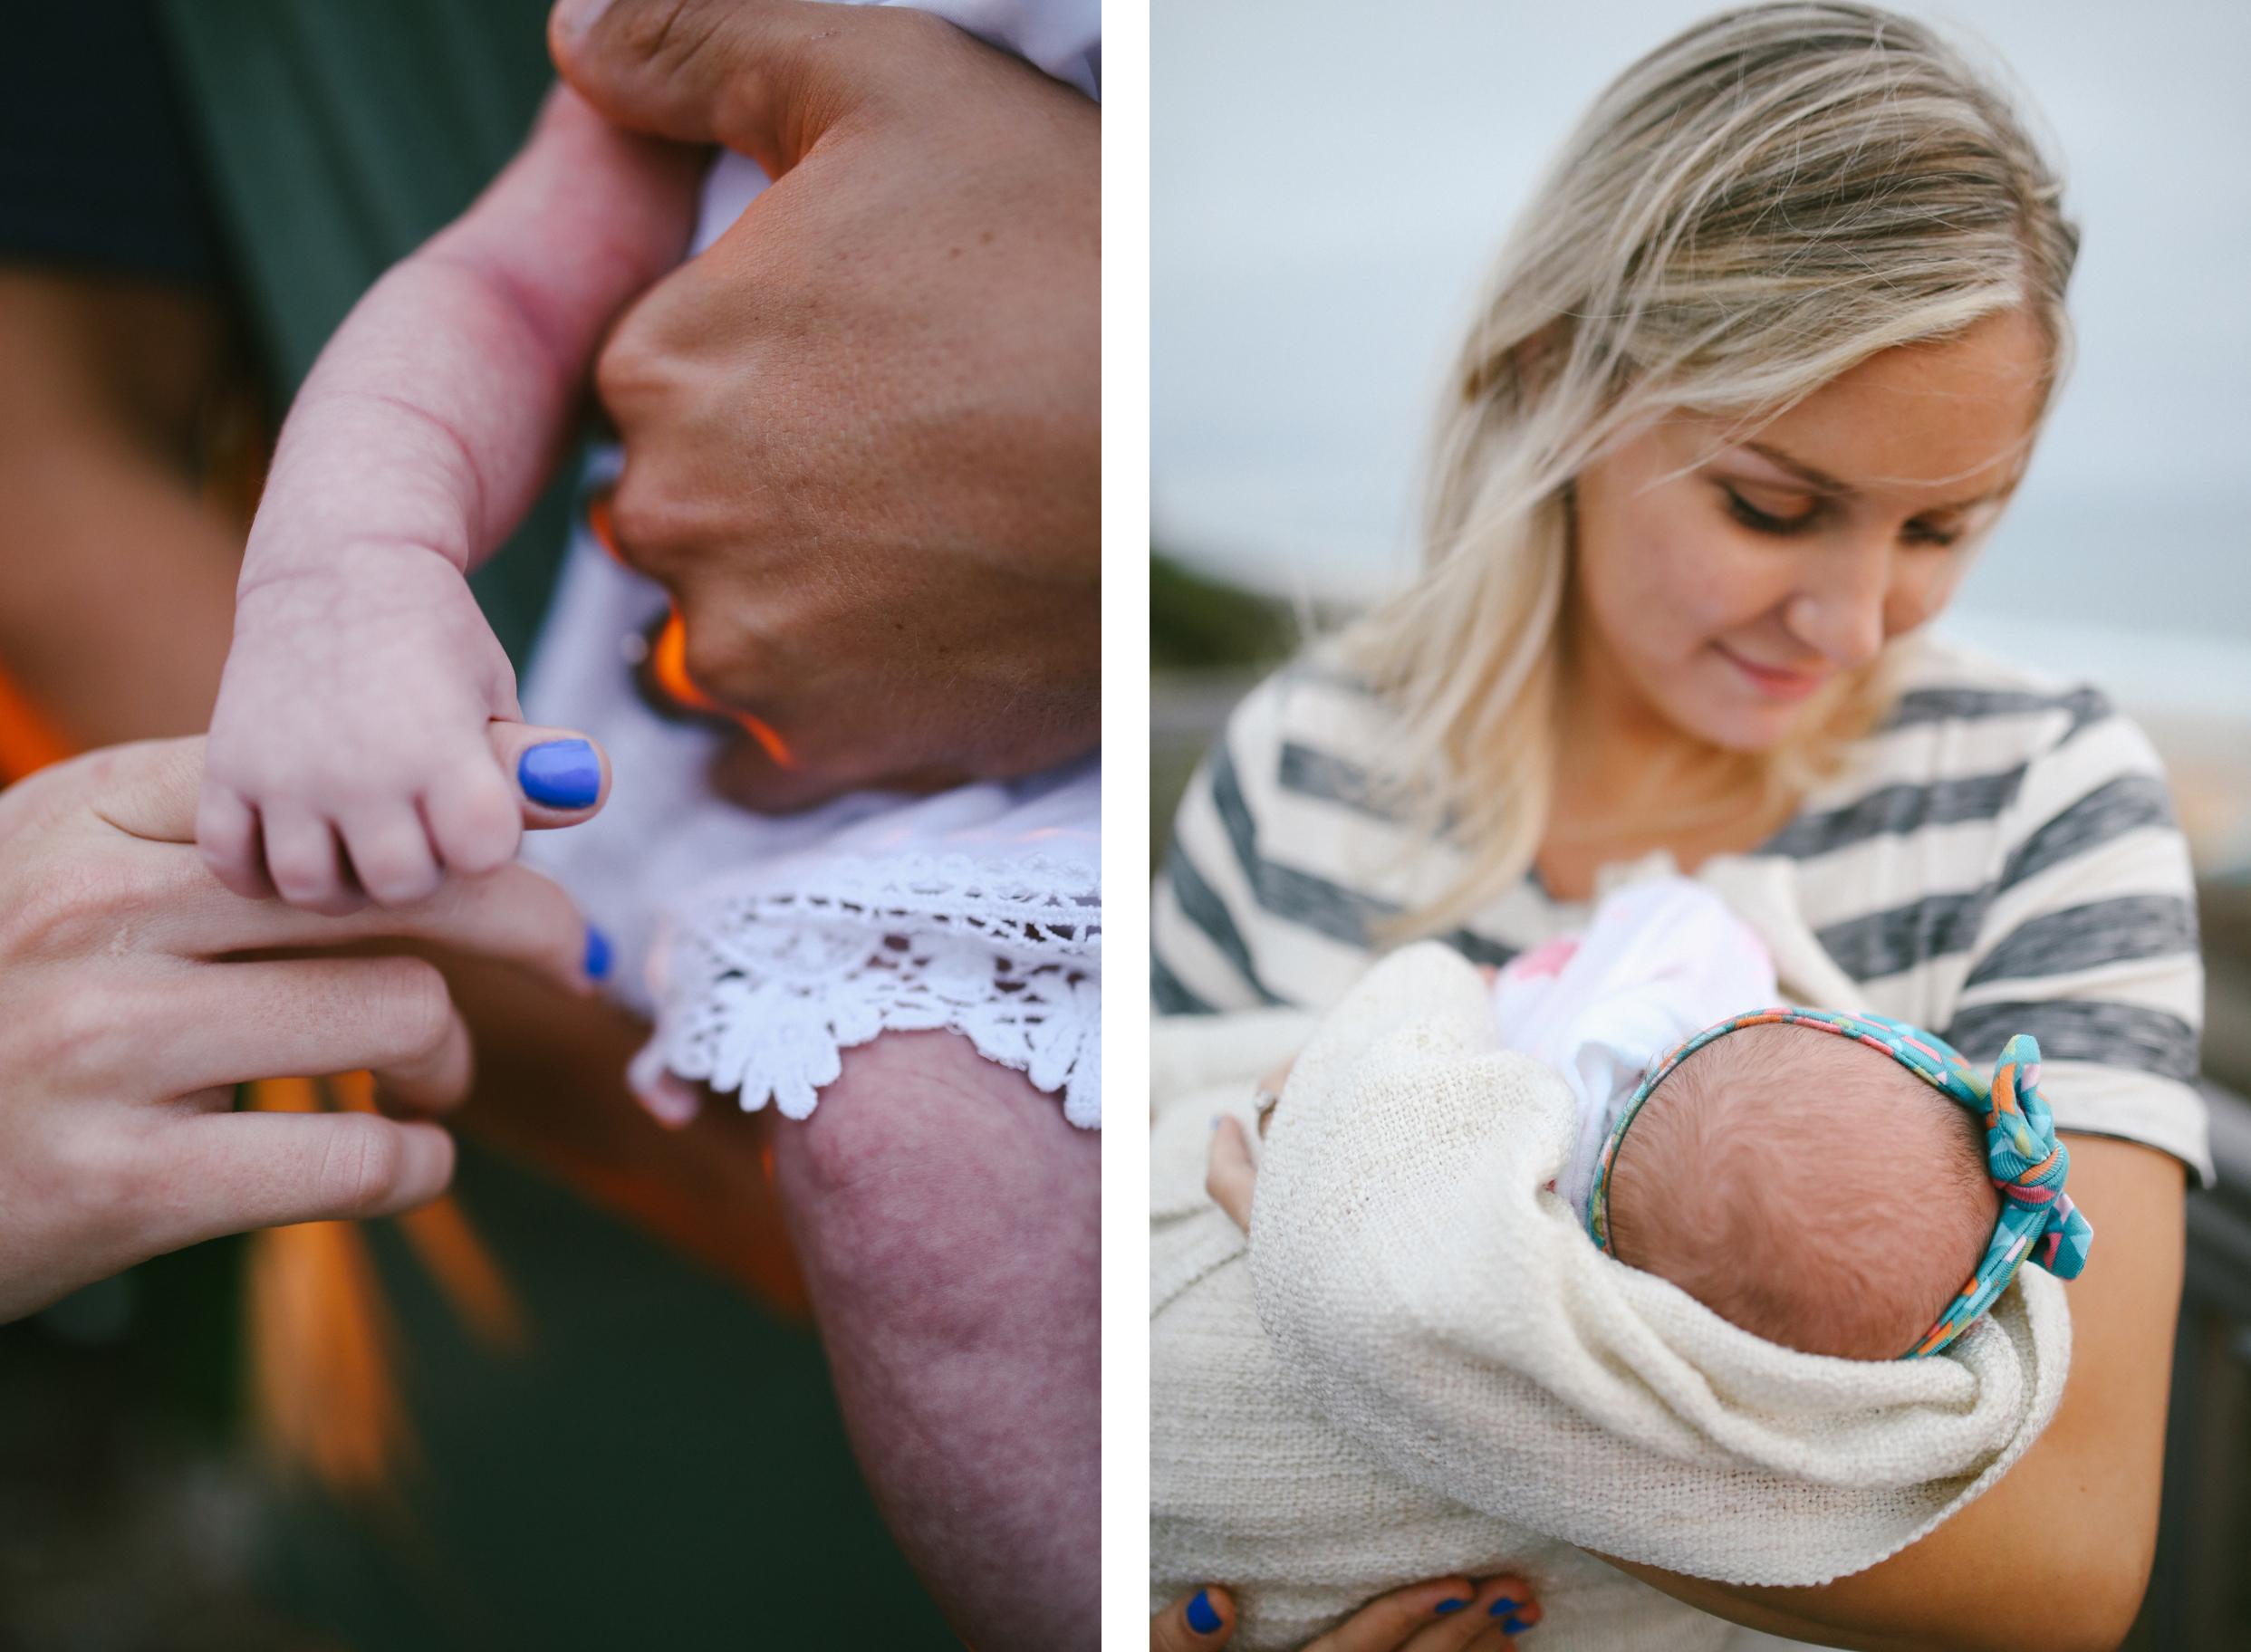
[1423, 1364]
[1820, 1179]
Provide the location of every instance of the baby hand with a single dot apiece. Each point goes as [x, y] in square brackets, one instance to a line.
[367, 740]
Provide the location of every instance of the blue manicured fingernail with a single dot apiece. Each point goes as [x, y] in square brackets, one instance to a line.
[1503, 1605]
[597, 954]
[1450, 1606]
[1513, 1626]
[1203, 1617]
[561, 773]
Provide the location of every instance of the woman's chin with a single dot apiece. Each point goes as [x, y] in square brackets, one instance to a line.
[1748, 728]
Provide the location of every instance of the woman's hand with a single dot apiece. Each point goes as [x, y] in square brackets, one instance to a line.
[862, 432]
[1441, 1615]
[1232, 1173]
[127, 1018]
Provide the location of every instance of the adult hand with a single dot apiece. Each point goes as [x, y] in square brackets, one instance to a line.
[126, 1020]
[1230, 1173]
[1440, 1615]
[862, 431]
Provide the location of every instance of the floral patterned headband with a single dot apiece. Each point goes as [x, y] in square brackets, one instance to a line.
[2037, 1223]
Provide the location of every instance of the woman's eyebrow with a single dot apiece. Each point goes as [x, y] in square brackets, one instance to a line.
[1820, 480]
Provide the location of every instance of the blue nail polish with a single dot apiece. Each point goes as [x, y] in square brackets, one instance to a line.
[597, 954]
[561, 773]
[1202, 1617]
[1513, 1626]
[1503, 1605]
[1450, 1606]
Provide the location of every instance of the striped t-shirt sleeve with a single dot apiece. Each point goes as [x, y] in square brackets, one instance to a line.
[1274, 886]
[2088, 942]
[1202, 910]
[2004, 860]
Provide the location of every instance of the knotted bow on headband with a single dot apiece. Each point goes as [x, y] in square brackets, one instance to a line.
[2037, 1223]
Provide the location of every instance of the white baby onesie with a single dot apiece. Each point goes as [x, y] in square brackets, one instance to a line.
[1662, 961]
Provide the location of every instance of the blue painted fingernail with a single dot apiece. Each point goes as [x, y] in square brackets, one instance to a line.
[1513, 1626]
[597, 954]
[1203, 1617]
[1503, 1605]
[1450, 1606]
[561, 773]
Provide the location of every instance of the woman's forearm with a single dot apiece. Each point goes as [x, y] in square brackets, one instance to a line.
[2056, 1555]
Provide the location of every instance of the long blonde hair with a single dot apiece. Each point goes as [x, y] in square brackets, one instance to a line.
[1758, 204]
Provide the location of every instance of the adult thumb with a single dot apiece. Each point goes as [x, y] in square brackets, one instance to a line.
[766, 78]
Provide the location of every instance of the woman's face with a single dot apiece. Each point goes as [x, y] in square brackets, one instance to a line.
[1722, 582]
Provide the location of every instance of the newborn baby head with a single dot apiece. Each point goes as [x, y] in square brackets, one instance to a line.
[1807, 1188]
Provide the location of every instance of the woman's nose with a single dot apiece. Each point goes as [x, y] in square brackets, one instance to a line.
[1839, 611]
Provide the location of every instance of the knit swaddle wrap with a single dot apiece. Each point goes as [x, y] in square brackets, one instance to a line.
[2037, 1220]
[1426, 1298]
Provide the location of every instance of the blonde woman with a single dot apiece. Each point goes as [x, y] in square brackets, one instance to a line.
[1760, 367]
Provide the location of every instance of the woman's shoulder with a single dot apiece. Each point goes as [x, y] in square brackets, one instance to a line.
[1943, 679]
[1982, 734]
[1302, 757]
[1315, 706]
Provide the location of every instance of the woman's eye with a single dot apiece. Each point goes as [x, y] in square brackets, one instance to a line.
[1921, 532]
[1780, 523]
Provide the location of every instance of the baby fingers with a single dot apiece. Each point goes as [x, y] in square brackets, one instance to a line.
[227, 830]
[305, 861]
[391, 858]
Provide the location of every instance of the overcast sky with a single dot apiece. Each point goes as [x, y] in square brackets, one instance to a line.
[1331, 181]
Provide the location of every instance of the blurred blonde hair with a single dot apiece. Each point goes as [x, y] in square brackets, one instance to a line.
[1758, 204]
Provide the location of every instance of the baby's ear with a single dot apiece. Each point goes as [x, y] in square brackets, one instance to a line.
[560, 776]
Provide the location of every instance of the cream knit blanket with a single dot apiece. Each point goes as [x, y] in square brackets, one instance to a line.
[1419, 1364]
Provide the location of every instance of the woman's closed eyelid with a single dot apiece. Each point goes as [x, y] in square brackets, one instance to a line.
[1760, 518]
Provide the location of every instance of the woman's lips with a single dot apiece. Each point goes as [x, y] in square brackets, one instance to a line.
[1777, 682]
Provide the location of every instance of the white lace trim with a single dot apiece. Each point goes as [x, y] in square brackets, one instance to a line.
[759, 991]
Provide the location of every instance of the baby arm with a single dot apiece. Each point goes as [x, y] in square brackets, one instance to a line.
[348, 740]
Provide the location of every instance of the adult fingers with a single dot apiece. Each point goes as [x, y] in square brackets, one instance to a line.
[513, 916]
[1495, 1612]
[147, 790]
[1194, 1623]
[562, 776]
[1398, 1620]
[235, 1023]
[763, 77]
[223, 1173]
[1229, 1176]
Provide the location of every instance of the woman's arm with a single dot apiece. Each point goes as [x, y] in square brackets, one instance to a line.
[2056, 1555]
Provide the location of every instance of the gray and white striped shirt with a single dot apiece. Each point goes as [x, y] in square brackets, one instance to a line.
[2000, 857]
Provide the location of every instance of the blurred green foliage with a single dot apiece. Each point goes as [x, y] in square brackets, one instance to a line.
[1198, 623]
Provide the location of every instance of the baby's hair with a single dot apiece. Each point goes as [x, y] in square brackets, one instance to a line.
[1807, 1188]
[1762, 203]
